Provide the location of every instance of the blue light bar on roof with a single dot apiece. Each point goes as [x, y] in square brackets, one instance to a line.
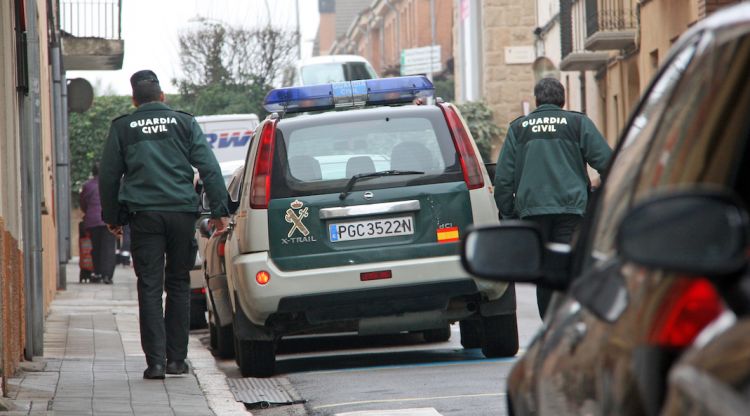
[383, 91]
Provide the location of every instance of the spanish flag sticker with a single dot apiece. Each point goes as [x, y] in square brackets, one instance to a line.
[447, 235]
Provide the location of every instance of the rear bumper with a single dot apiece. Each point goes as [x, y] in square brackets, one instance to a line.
[293, 299]
[369, 303]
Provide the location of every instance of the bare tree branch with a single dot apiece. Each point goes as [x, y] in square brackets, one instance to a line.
[218, 54]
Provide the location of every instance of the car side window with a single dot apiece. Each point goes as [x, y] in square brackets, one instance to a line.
[622, 178]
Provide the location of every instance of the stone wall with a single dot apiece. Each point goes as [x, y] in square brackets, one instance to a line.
[506, 87]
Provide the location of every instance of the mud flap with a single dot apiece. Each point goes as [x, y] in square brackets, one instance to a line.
[505, 305]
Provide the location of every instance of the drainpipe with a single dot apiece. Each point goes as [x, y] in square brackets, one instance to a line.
[31, 187]
[398, 30]
[62, 167]
[432, 20]
[582, 79]
[369, 44]
[382, 40]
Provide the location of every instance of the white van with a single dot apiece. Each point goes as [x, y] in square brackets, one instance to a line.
[332, 68]
[228, 134]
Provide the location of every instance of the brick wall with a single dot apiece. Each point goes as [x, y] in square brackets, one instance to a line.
[326, 32]
[13, 304]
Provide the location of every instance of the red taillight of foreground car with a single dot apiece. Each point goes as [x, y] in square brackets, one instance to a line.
[262, 277]
[470, 164]
[691, 305]
[220, 248]
[260, 191]
[199, 291]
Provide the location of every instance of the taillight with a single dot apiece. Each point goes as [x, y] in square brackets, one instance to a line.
[688, 308]
[220, 248]
[260, 190]
[462, 140]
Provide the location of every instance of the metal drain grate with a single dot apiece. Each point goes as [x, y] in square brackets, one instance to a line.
[263, 392]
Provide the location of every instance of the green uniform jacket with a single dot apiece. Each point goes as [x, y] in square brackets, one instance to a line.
[542, 166]
[147, 164]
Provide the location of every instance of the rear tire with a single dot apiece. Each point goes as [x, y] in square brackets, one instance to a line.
[499, 335]
[256, 358]
[224, 341]
[437, 335]
[212, 336]
[197, 316]
[471, 333]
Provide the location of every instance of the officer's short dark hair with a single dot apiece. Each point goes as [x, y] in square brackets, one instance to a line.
[549, 91]
[146, 86]
[95, 169]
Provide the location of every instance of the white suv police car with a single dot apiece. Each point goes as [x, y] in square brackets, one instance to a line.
[351, 220]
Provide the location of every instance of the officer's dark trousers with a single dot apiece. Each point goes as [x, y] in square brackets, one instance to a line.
[103, 251]
[557, 228]
[156, 237]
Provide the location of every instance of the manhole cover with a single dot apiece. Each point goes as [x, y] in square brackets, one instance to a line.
[263, 392]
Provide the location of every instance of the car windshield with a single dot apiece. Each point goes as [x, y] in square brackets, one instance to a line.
[325, 156]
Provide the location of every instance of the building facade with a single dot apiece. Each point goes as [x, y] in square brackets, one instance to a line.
[604, 52]
[383, 29]
[624, 43]
[495, 50]
[34, 171]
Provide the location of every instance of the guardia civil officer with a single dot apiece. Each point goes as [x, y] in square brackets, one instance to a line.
[146, 179]
[541, 173]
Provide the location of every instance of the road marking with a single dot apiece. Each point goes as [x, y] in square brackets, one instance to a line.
[411, 399]
[425, 411]
[479, 361]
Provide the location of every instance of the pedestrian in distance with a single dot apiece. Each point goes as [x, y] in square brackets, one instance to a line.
[102, 241]
[146, 181]
[541, 173]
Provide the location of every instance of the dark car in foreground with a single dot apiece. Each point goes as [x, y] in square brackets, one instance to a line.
[619, 323]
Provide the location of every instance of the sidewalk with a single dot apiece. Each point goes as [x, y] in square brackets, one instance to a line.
[93, 363]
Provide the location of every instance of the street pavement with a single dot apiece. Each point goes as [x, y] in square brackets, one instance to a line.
[93, 363]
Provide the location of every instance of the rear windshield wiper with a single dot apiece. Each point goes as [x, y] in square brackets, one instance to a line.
[355, 178]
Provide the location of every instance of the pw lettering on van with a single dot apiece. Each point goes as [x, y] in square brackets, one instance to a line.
[229, 139]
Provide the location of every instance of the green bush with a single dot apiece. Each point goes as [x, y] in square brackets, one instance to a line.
[445, 89]
[87, 132]
[485, 132]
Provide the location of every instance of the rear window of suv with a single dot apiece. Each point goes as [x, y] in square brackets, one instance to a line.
[319, 154]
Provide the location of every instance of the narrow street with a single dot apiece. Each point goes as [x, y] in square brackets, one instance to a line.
[93, 365]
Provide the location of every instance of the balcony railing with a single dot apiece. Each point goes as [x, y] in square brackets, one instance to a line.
[573, 22]
[91, 34]
[91, 18]
[610, 24]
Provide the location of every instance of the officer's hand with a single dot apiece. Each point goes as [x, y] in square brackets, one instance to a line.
[220, 224]
[115, 229]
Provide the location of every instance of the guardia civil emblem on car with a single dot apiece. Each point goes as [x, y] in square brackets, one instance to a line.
[295, 218]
